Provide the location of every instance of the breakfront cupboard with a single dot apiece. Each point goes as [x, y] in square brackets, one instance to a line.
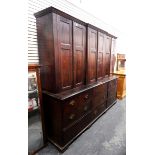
[76, 60]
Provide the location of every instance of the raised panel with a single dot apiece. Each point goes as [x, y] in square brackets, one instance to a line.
[100, 62]
[108, 44]
[65, 71]
[92, 55]
[93, 36]
[113, 57]
[79, 33]
[92, 69]
[107, 55]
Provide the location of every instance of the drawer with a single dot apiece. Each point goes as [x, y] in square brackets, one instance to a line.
[76, 107]
[112, 85]
[86, 96]
[70, 133]
[96, 112]
[70, 110]
[99, 95]
[112, 88]
[111, 100]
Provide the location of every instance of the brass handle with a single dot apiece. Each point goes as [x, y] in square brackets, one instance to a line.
[72, 116]
[86, 96]
[85, 108]
[72, 103]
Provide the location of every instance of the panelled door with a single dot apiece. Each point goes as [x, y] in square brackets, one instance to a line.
[100, 60]
[107, 55]
[92, 55]
[64, 31]
[113, 57]
[79, 39]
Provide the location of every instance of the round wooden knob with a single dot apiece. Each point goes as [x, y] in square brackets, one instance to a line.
[85, 108]
[86, 96]
[72, 103]
[72, 116]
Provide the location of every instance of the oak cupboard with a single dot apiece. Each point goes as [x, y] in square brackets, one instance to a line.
[77, 88]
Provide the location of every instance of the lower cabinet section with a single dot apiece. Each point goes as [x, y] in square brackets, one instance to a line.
[68, 114]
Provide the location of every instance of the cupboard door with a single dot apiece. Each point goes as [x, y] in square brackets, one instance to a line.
[100, 61]
[64, 30]
[99, 95]
[79, 33]
[92, 55]
[107, 56]
[112, 92]
[113, 57]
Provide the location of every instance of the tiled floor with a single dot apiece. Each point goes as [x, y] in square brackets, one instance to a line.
[107, 136]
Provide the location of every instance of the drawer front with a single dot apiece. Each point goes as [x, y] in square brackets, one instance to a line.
[96, 112]
[70, 112]
[99, 95]
[74, 130]
[76, 107]
[112, 88]
[111, 100]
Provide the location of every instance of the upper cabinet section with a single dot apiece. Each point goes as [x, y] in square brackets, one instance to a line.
[72, 53]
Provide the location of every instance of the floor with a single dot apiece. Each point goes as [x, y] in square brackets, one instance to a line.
[35, 138]
[107, 136]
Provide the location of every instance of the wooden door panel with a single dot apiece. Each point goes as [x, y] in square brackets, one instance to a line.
[92, 55]
[113, 57]
[79, 71]
[101, 49]
[64, 28]
[107, 64]
[92, 70]
[79, 33]
[107, 55]
[66, 69]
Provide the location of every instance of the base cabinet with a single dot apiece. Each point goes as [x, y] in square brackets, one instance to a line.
[121, 86]
[68, 114]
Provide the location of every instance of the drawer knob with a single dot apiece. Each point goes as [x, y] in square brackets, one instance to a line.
[85, 108]
[86, 96]
[72, 116]
[95, 112]
[72, 103]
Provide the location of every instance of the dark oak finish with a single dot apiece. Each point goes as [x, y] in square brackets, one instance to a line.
[107, 55]
[100, 60]
[113, 57]
[92, 55]
[100, 95]
[76, 59]
[64, 51]
[79, 33]
[112, 92]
